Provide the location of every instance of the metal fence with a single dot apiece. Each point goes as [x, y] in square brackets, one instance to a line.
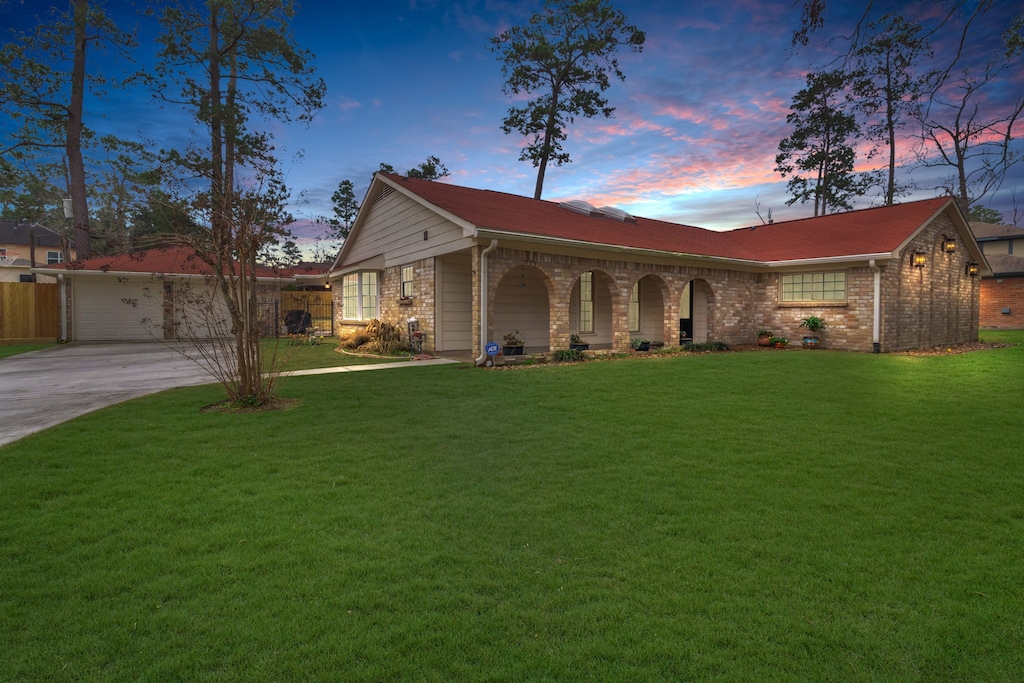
[298, 313]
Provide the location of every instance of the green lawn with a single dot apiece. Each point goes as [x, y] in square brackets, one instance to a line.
[790, 516]
[322, 355]
[14, 349]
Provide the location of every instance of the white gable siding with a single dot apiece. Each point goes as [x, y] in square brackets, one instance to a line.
[394, 227]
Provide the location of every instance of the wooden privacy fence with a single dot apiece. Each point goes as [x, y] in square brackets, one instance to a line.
[29, 311]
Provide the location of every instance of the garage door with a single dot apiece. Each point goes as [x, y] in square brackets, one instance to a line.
[113, 309]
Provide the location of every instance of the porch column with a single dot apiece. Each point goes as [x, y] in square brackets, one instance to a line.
[620, 316]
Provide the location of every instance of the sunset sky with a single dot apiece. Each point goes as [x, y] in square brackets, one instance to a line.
[693, 139]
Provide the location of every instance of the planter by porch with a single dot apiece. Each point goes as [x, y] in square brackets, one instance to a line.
[579, 347]
[811, 342]
[512, 350]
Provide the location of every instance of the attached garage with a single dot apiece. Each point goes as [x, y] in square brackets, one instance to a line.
[159, 294]
[117, 308]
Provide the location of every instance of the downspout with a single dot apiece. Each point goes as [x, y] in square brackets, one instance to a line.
[483, 301]
[61, 285]
[877, 325]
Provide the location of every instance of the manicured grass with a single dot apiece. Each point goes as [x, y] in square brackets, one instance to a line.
[14, 349]
[792, 516]
[322, 355]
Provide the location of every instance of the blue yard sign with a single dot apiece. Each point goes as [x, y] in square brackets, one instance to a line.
[492, 348]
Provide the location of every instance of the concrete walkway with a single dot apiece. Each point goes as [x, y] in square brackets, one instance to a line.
[43, 388]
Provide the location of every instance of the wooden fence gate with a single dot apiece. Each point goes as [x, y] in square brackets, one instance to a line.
[29, 312]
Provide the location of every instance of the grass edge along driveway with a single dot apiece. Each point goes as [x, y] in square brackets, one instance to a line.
[747, 516]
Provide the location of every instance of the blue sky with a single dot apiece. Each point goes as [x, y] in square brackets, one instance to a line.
[694, 137]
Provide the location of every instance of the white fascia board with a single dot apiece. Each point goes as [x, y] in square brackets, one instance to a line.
[828, 260]
[484, 233]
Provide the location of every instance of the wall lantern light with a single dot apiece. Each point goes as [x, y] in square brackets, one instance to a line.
[948, 245]
[327, 286]
[972, 269]
[918, 259]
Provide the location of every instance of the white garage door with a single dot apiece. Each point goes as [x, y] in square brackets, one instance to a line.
[113, 309]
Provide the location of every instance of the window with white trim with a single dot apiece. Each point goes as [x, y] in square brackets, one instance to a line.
[814, 287]
[53, 257]
[406, 282]
[359, 296]
[587, 302]
[634, 309]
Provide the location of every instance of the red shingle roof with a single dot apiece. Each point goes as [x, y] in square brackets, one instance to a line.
[172, 260]
[867, 231]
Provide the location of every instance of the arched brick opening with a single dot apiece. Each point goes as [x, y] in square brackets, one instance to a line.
[522, 301]
[696, 304]
[647, 309]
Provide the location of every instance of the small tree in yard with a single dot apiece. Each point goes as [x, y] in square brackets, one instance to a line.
[222, 319]
[224, 61]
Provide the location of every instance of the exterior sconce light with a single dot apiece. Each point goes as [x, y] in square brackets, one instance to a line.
[327, 286]
[972, 269]
[918, 259]
[948, 245]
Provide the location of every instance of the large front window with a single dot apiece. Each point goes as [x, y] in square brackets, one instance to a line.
[359, 296]
[814, 287]
[54, 257]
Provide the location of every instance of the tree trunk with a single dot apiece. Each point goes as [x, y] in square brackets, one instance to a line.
[73, 142]
[548, 131]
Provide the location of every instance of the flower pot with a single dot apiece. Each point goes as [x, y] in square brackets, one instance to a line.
[512, 350]
[780, 345]
[764, 341]
[645, 346]
[811, 342]
[579, 347]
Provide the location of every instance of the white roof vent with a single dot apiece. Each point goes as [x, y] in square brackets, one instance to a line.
[617, 213]
[580, 206]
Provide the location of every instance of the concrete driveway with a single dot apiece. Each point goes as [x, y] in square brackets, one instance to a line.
[44, 388]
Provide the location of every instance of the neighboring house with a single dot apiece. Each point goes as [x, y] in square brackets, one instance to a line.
[16, 250]
[1002, 295]
[146, 295]
[470, 265]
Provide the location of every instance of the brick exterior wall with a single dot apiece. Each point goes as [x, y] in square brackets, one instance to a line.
[998, 293]
[936, 305]
[921, 307]
[390, 307]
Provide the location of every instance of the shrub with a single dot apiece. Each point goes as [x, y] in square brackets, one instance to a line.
[569, 356]
[378, 337]
[706, 346]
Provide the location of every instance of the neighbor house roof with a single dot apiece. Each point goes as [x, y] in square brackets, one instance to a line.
[1005, 264]
[988, 231]
[13, 232]
[865, 232]
[172, 260]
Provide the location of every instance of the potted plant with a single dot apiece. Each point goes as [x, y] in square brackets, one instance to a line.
[640, 344]
[779, 342]
[512, 344]
[813, 324]
[577, 344]
[764, 338]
